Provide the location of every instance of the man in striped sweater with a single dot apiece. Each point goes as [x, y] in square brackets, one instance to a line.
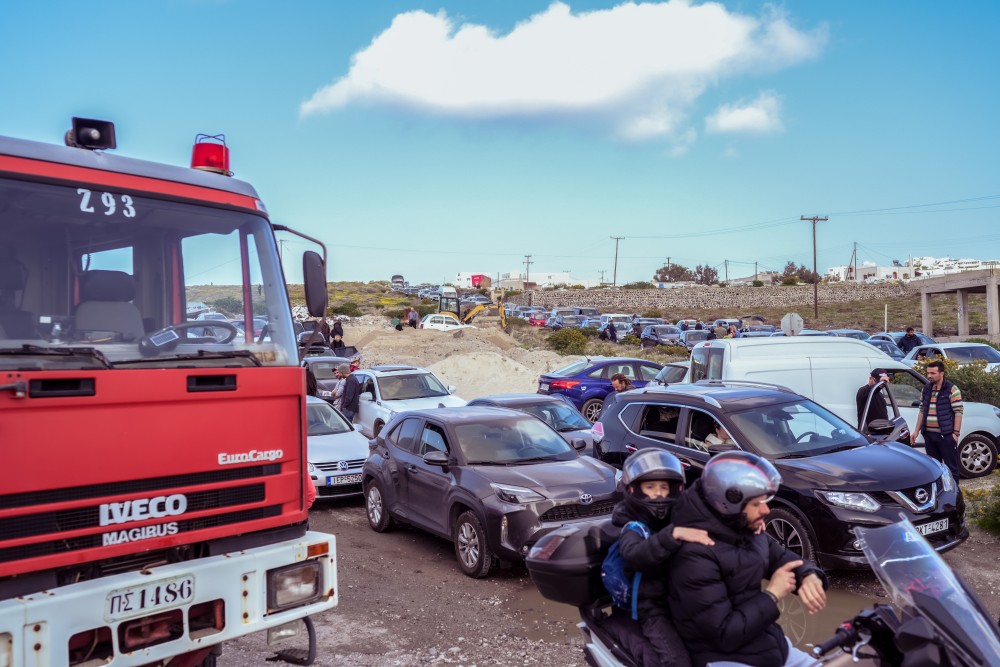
[940, 418]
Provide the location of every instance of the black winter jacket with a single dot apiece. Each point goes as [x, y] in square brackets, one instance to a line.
[648, 556]
[715, 592]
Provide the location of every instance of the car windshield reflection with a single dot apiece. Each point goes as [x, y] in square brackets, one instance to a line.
[559, 417]
[413, 385]
[511, 442]
[795, 430]
[324, 420]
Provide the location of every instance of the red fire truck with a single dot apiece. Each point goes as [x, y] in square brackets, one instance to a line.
[153, 493]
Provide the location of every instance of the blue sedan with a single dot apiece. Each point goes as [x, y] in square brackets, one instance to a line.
[585, 383]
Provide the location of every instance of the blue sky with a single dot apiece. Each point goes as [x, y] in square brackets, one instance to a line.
[428, 138]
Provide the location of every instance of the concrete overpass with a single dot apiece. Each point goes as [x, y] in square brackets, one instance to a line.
[962, 284]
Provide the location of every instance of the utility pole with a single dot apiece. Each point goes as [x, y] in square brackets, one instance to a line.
[726, 262]
[602, 272]
[814, 219]
[527, 267]
[755, 278]
[614, 279]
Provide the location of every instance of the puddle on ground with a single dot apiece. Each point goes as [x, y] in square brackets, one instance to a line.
[552, 621]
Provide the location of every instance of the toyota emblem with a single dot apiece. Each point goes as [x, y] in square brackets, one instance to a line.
[921, 495]
[341, 465]
[586, 499]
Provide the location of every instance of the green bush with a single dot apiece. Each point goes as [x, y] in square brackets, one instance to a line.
[977, 384]
[639, 284]
[589, 332]
[790, 281]
[985, 510]
[517, 323]
[348, 308]
[427, 308]
[228, 304]
[630, 339]
[568, 341]
[653, 312]
[723, 284]
[758, 283]
[673, 350]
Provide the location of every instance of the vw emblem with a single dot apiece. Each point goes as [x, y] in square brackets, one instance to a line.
[341, 465]
[921, 495]
[586, 499]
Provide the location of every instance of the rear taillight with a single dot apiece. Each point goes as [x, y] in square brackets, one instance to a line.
[563, 384]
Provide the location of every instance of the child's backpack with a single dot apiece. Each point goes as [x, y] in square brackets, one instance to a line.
[624, 589]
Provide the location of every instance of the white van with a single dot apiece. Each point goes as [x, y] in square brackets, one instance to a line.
[830, 370]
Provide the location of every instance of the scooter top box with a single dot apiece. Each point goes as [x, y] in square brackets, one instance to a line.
[566, 563]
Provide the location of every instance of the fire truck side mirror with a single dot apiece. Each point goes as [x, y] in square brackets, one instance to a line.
[314, 276]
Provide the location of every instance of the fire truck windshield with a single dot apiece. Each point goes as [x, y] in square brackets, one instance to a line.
[139, 279]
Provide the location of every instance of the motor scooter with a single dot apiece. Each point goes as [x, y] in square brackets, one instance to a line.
[935, 620]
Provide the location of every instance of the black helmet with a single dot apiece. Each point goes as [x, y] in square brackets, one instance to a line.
[731, 479]
[647, 465]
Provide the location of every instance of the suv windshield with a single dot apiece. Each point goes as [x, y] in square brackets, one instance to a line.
[100, 269]
[511, 442]
[793, 430]
[412, 385]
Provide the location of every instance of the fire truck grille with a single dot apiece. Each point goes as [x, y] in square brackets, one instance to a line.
[64, 521]
[136, 486]
[95, 541]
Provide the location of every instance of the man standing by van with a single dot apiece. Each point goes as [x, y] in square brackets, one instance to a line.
[877, 409]
[940, 417]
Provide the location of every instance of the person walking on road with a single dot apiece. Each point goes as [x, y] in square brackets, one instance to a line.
[908, 341]
[940, 417]
[351, 399]
[878, 408]
[412, 317]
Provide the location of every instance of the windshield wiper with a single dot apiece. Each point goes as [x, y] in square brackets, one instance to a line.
[486, 463]
[564, 429]
[28, 350]
[794, 456]
[537, 459]
[200, 355]
[842, 448]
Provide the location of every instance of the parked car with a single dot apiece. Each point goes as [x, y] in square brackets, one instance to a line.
[691, 337]
[491, 480]
[833, 477]
[387, 390]
[831, 378]
[590, 323]
[538, 318]
[588, 312]
[758, 330]
[323, 368]
[850, 333]
[675, 371]
[726, 321]
[662, 334]
[585, 383]
[556, 411]
[563, 322]
[896, 336]
[888, 347]
[960, 353]
[336, 451]
[442, 322]
[692, 323]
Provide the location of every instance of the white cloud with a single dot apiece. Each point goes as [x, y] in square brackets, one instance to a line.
[760, 116]
[640, 67]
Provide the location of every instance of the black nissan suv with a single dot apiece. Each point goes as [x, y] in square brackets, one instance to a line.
[833, 477]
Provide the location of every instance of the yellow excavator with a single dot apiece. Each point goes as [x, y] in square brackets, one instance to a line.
[449, 304]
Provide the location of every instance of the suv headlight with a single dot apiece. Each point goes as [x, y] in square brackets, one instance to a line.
[850, 500]
[947, 480]
[517, 495]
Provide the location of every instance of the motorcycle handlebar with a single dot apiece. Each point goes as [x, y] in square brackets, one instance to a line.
[845, 635]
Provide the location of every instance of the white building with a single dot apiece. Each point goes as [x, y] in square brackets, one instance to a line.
[516, 279]
[915, 268]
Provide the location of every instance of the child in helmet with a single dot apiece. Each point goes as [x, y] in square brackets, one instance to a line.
[653, 480]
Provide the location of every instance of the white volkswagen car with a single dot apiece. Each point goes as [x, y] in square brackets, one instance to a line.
[443, 322]
[386, 390]
[337, 451]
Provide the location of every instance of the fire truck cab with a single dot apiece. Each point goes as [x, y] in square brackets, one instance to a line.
[154, 496]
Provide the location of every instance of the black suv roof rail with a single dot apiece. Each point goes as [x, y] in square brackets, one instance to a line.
[746, 383]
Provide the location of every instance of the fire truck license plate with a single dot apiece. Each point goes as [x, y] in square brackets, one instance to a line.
[142, 599]
[343, 479]
[933, 527]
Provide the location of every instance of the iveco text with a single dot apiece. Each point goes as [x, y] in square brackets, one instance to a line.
[142, 509]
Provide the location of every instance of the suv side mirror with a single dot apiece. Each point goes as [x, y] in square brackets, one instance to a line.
[579, 444]
[436, 458]
[452, 389]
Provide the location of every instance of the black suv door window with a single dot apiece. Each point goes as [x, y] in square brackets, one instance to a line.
[432, 440]
[704, 431]
[659, 422]
[405, 435]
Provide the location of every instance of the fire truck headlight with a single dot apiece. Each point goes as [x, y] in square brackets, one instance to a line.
[294, 585]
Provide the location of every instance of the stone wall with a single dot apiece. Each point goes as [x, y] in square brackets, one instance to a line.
[740, 300]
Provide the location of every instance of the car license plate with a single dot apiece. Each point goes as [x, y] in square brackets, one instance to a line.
[140, 600]
[544, 386]
[343, 479]
[933, 527]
